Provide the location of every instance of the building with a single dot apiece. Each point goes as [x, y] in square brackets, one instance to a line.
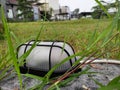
[54, 4]
[9, 7]
[2, 3]
[40, 7]
[63, 13]
[47, 6]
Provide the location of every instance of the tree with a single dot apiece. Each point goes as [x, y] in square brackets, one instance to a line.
[45, 16]
[25, 7]
[112, 5]
[75, 13]
[97, 12]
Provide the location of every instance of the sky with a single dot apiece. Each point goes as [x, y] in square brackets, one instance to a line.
[83, 5]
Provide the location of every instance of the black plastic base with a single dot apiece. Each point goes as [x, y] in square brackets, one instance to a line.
[24, 70]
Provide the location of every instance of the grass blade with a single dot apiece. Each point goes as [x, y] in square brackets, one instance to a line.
[98, 83]
[24, 56]
[10, 47]
[15, 37]
[102, 7]
[34, 76]
[115, 81]
[112, 87]
[57, 65]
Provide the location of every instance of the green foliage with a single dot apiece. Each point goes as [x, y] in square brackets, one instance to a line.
[114, 27]
[102, 9]
[5, 66]
[99, 12]
[76, 11]
[1, 36]
[1, 27]
[10, 46]
[113, 85]
[114, 4]
[26, 10]
[99, 40]
[45, 16]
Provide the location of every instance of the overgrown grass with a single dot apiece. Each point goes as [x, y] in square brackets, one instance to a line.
[77, 32]
[91, 38]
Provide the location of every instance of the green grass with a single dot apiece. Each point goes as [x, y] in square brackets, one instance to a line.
[73, 32]
[98, 38]
[91, 38]
[77, 32]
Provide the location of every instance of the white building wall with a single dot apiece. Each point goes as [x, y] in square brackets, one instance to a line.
[36, 13]
[43, 1]
[54, 4]
[65, 9]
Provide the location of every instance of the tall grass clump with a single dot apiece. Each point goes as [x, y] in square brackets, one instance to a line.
[9, 61]
[11, 51]
[100, 45]
[104, 44]
[1, 29]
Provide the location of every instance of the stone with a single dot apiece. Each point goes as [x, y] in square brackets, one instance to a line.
[104, 75]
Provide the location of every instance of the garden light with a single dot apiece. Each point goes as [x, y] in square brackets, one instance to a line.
[45, 55]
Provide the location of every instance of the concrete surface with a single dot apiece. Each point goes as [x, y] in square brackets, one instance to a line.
[106, 72]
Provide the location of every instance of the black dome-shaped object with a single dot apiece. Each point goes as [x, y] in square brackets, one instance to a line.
[44, 56]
